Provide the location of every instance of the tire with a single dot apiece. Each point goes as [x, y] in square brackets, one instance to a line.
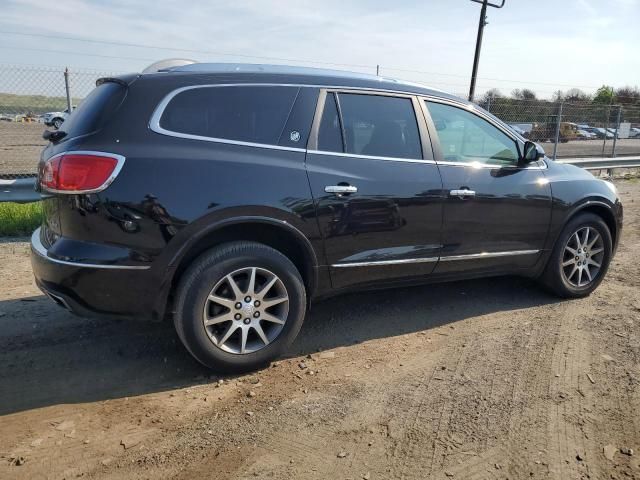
[212, 274]
[564, 281]
[57, 123]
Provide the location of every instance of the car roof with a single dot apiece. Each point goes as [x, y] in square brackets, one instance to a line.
[262, 73]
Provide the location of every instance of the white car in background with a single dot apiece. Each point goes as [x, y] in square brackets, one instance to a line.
[55, 119]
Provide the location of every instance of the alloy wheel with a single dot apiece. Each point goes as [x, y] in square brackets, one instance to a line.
[583, 257]
[246, 310]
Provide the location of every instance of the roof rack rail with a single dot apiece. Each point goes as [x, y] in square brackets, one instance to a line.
[167, 64]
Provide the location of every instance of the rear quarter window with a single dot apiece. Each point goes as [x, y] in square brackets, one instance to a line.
[239, 113]
[95, 110]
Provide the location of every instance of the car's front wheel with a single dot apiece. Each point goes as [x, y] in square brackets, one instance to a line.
[580, 258]
[239, 306]
[57, 123]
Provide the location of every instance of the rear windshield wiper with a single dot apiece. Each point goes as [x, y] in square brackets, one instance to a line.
[54, 135]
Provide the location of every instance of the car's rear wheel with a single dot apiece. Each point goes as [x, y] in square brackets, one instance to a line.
[580, 258]
[239, 306]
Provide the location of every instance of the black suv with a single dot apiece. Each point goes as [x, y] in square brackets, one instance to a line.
[229, 196]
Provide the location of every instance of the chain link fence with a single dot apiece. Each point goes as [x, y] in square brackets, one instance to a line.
[33, 99]
[572, 130]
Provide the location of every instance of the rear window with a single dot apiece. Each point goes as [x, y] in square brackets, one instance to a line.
[95, 110]
[240, 113]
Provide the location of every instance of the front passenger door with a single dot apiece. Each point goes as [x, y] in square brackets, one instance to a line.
[497, 211]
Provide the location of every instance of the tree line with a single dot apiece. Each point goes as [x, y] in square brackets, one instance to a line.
[598, 109]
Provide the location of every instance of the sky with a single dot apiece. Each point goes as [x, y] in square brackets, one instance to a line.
[544, 45]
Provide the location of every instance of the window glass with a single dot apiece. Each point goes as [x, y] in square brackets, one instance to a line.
[329, 133]
[94, 112]
[380, 126]
[248, 114]
[465, 137]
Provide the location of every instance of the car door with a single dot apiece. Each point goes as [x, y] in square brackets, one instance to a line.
[497, 210]
[376, 188]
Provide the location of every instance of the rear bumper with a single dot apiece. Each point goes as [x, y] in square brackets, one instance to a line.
[91, 288]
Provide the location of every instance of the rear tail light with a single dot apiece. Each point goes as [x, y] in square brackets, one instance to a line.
[80, 172]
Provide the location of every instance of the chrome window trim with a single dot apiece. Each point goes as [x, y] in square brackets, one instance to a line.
[37, 247]
[371, 157]
[120, 163]
[471, 256]
[385, 262]
[492, 166]
[482, 255]
[154, 122]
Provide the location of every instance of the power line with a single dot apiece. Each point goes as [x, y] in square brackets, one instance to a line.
[279, 59]
[185, 50]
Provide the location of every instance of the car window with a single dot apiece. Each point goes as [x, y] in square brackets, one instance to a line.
[248, 114]
[329, 133]
[95, 111]
[373, 125]
[465, 137]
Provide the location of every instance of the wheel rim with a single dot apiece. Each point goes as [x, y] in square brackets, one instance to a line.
[246, 310]
[583, 257]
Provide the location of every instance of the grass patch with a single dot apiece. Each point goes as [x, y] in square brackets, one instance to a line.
[19, 218]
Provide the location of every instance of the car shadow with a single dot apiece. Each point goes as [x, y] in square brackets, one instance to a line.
[49, 356]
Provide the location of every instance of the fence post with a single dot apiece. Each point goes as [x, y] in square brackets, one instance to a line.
[377, 70]
[66, 87]
[615, 135]
[606, 125]
[557, 139]
[489, 98]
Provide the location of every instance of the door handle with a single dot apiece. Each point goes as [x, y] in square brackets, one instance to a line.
[340, 189]
[462, 193]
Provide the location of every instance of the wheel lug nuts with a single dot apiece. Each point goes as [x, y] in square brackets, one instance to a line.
[256, 303]
[237, 316]
[577, 258]
[247, 321]
[238, 305]
[247, 299]
[256, 314]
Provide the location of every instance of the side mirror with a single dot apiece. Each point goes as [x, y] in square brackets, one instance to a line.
[532, 152]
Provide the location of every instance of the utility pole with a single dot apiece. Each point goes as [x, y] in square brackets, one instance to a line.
[481, 25]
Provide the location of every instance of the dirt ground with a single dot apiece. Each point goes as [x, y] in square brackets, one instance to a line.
[489, 379]
[21, 144]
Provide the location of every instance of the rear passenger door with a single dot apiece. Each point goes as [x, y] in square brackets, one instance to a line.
[376, 188]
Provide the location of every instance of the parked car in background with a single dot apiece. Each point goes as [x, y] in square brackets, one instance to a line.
[518, 130]
[634, 132]
[585, 134]
[55, 119]
[228, 197]
[602, 133]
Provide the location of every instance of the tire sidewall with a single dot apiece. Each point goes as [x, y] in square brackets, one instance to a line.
[207, 274]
